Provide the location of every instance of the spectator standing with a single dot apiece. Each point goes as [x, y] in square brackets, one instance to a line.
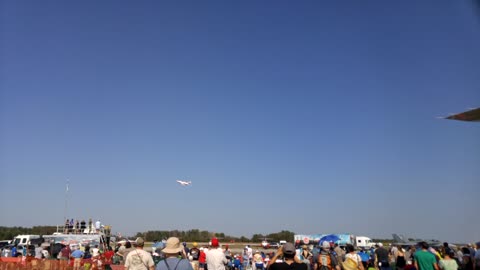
[477, 256]
[38, 251]
[195, 254]
[401, 262]
[216, 259]
[306, 256]
[202, 259]
[139, 259]
[290, 261]
[467, 259]
[339, 252]
[381, 255]
[77, 256]
[353, 261]
[448, 263]
[326, 259]
[425, 260]
[174, 256]
[124, 252]
[108, 255]
[257, 261]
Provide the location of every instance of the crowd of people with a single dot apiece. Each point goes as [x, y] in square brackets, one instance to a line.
[173, 255]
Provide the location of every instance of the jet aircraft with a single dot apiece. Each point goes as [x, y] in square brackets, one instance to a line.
[399, 240]
[184, 183]
[472, 115]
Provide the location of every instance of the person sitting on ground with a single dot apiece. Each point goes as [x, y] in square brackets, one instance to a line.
[175, 257]
[139, 259]
[290, 260]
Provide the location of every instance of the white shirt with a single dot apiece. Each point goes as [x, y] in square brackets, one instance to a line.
[216, 259]
[250, 252]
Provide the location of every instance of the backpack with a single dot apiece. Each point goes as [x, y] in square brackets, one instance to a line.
[350, 264]
[325, 262]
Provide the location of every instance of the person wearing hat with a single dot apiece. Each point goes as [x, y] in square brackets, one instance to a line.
[175, 257]
[258, 263]
[325, 259]
[195, 254]
[139, 259]
[306, 255]
[216, 259]
[290, 260]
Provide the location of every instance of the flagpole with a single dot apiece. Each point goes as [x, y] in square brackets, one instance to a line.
[66, 201]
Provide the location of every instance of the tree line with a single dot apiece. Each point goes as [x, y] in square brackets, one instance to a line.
[8, 233]
[196, 235]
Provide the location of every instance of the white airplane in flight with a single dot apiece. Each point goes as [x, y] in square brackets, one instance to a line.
[184, 183]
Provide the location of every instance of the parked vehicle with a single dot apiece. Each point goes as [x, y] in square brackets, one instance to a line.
[341, 239]
[4, 243]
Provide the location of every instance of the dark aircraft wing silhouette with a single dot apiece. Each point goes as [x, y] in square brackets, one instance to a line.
[471, 115]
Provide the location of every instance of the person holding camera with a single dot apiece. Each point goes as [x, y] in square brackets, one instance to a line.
[290, 261]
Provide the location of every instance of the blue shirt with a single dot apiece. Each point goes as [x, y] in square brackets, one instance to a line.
[365, 257]
[183, 264]
[77, 254]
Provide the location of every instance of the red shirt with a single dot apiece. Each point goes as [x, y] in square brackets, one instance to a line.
[203, 257]
[108, 256]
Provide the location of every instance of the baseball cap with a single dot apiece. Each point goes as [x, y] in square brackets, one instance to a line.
[139, 241]
[288, 249]
[380, 244]
[214, 242]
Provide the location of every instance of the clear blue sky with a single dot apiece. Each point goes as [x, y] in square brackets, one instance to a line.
[309, 116]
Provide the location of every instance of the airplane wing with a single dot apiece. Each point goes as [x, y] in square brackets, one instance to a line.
[471, 115]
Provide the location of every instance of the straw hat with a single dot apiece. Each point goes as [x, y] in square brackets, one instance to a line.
[172, 246]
